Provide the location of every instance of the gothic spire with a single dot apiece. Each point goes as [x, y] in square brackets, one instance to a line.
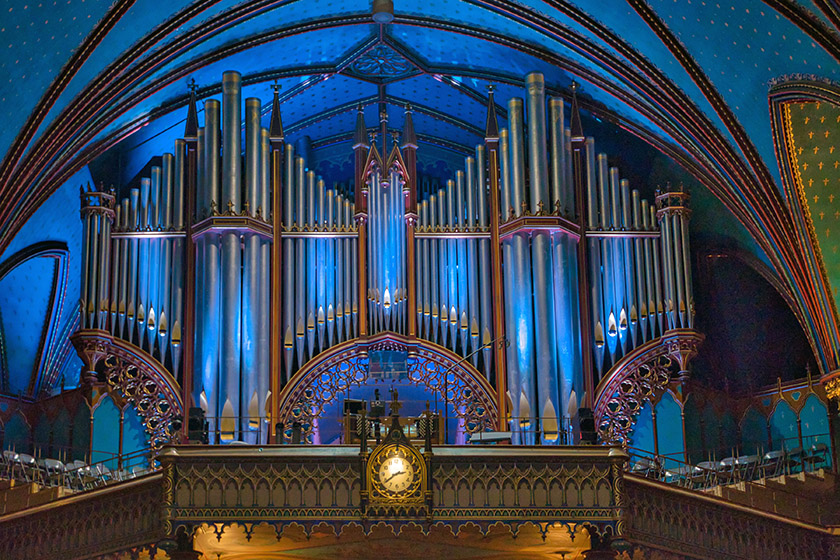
[275, 128]
[492, 129]
[577, 127]
[191, 128]
[409, 138]
[360, 137]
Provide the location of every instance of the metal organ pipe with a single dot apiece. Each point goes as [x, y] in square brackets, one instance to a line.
[484, 280]
[541, 260]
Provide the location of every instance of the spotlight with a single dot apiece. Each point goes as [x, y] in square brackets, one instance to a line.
[383, 11]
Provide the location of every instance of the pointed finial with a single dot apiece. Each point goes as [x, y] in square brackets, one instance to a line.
[409, 136]
[191, 127]
[577, 127]
[491, 131]
[275, 128]
[360, 137]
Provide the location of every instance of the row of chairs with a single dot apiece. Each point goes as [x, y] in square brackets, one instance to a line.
[76, 475]
[735, 469]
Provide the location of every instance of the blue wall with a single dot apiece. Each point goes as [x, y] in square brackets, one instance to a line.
[669, 431]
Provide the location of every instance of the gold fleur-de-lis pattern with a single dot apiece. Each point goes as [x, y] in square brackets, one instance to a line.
[814, 137]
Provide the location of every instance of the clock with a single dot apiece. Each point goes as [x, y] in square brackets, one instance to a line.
[396, 473]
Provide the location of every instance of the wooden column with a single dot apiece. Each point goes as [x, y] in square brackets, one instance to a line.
[277, 139]
[491, 143]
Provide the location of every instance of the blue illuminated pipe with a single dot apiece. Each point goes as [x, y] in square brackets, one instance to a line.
[596, 296]
[212, 149]
[546, 398]
[452, 266]
[201, 187]
[320, 269]
[434, 275]
[504, 155]
[425, 274]
[666, 246]
[165, 263]
[231, 337]
[116, 264]
[253, 155]
[463, 277]
[650, 273]
[210, 363]
[265, 310]
[351, 285]
[288, 288]
[133, 255]
[87, 242]
[340, 271]
[517, 156]
[629, 265]
[689, 294]
[605, 279]
[558, 156]
[656, 250]
[91, 267]
[104, 269]
[639, 267]
[373, 256]
[311, 263]
[232, 144]
[123, 270]
[143, 264]
[152, 310]
[617, 246]
[472, 270]
[484, 281]
[331, 263]
[251, 271]
[679, 270]
[299, 291]
[177, 282]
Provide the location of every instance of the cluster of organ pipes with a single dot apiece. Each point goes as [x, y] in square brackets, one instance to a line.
[453, 265]
[587, 269]
[320, 305]
[133, 272]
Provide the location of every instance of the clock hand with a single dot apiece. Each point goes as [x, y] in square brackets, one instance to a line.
[393, 475]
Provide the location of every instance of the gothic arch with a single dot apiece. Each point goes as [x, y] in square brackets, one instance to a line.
[324, 377]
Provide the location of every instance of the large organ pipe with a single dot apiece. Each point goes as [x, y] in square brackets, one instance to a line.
[300, 269]
[123, 270]
[177, 294]
[596, 300]
[556, 120]
[434, 263]
[311, 261]
[116, 252]
[134, 252]
[264, 321]
[462, 280]
[251, 270]
[321, 266]
[231, 258]
[329, 296]
[289, 325]
[639, 266]
[341, 271]
[472, 286]
[451, 266]
[541, 259]
[165, 261]
[143, 264]
[352, 280]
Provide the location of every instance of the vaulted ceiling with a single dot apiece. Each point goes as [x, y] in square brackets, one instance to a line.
[82, 79]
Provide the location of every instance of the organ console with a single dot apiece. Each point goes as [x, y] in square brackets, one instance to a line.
[537, 242]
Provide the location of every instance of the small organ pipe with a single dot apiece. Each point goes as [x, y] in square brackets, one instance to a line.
[253, 156]
[656, 249]
[558, 156]
[321, 267]
[472, 271]
[134, 255]
[201, 195]
[434, 275]
[353, 279]
[212, 173]
[340, 270]
[116, 265]
[504, 156]
[123, 270]
[517, 156]
[452, 263]
[143, 264]
[639, 268]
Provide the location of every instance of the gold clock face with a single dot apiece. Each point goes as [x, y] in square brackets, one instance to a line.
[396, 474]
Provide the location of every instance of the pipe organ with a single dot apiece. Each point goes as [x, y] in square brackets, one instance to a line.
[537, 264]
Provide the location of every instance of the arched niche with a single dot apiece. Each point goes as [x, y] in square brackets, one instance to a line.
[433, 374]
